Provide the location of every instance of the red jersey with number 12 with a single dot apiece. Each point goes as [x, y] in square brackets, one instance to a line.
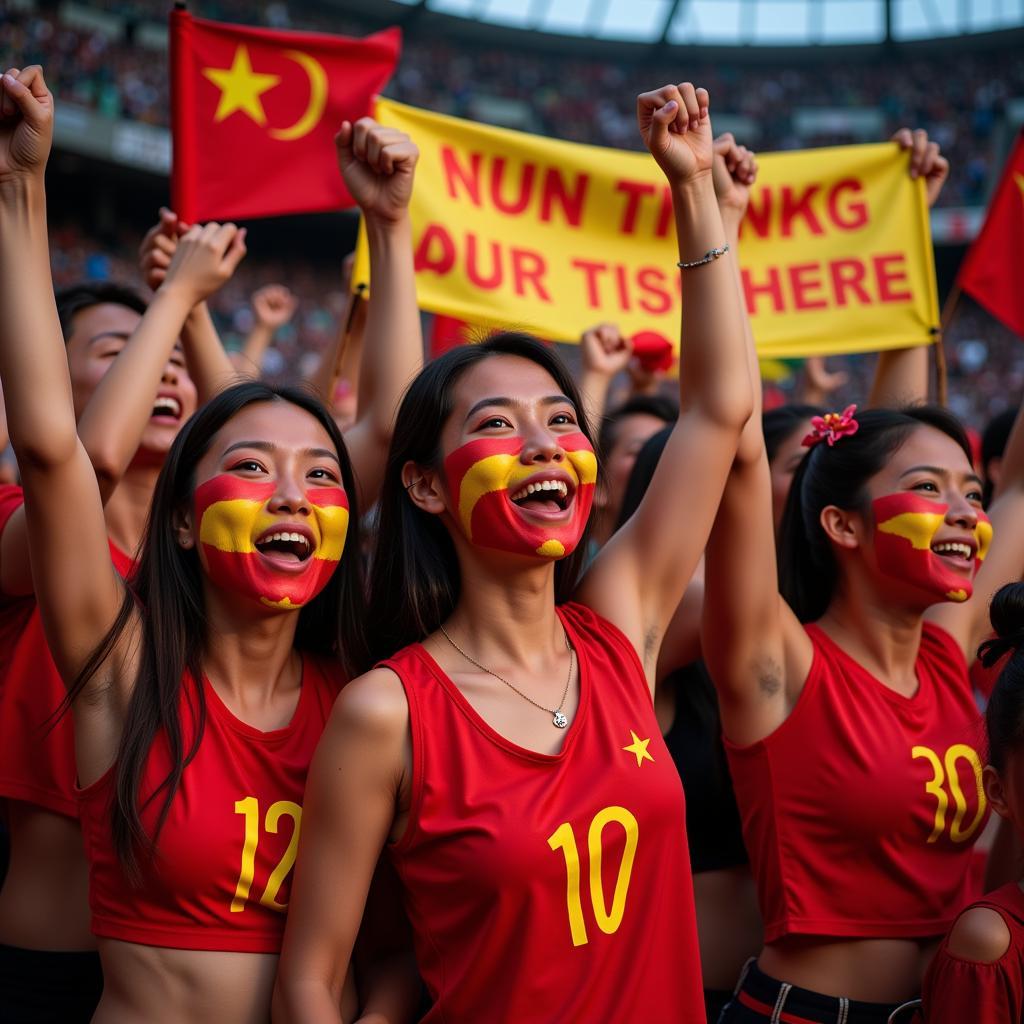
[549, 888]
[223, 866]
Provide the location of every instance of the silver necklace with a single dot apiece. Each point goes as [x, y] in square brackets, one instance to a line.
[558, 718]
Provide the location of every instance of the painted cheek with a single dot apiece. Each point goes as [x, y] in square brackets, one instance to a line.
[983, 534]
[481, 474]
[905, 527]
[232, 513]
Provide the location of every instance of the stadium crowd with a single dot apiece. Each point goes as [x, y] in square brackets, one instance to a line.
[574, 98]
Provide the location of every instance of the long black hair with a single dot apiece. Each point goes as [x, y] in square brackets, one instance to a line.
[166, 587]
[1004, 716]
[781, 423]
[414, 574]
[808, 571]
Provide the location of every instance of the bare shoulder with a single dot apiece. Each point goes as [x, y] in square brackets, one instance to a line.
[979, 934]
[372, 705]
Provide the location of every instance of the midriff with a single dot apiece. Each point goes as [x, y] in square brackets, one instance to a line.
[872, 970]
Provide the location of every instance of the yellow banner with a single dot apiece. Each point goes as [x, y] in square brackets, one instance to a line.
[552, 237]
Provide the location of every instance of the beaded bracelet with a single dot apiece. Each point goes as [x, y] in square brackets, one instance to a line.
[709, 257]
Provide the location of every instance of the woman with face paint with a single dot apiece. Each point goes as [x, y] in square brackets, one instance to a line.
[850, 727]
[508, 756]
[200, 688]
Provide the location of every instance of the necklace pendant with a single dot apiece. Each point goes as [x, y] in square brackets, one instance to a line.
[560, 720]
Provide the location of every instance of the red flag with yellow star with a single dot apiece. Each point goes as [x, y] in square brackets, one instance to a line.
[992, 269]
[255, 111]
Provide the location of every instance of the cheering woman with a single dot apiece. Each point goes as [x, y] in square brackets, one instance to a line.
[851, 730]
[508, 755]
[200, 690]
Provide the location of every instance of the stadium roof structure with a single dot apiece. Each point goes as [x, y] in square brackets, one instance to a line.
[725, 23]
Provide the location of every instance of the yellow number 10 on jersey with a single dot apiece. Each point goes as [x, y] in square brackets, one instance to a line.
[564, 839]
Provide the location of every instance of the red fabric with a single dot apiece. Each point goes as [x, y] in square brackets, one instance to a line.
[186, 899]
[653, 351]
[840, 803]
[984, 679]
[37, 751]
[492, 827]
[990, 271]
[446, 333]
[957, 990]
[280, 98]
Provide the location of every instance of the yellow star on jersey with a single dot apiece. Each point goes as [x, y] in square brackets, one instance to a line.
[240, 88]
[639, 748]
[1019, 178]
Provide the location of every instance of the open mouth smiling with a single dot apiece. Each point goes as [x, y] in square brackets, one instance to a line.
[290, 547]
[544, 495]
[166, 407]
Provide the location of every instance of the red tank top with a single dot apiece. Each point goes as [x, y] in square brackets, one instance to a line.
[223, 866]
[549, 888]
[37, 750]
[860, 811]
[957, 990]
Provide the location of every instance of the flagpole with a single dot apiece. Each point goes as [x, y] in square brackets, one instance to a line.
[941, 371]
[358, 297]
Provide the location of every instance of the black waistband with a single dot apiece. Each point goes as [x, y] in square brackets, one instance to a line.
[793, 1001]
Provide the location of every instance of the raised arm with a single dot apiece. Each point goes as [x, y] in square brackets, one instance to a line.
[208, 363]
[79, 592]
[752, 643]
[273, 306]
[969, 622]
[604, 353]
[901, 375]
[378, 164]
[640, 575]
[352, 795]
[113, 422]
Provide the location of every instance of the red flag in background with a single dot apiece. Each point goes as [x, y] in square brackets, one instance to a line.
[255, 111]
[993, 269]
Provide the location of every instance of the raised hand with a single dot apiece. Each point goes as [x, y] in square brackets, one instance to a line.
[159, 245]
[205, 258]
[926, 160]
[676, 129]
[26, 123]
[604, 350]
[819, 381]
[273, 305]
[734, 169]
[378, 164]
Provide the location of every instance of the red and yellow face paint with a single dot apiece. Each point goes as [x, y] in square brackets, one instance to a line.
[482, 476]
[232, 514]
[905, 529]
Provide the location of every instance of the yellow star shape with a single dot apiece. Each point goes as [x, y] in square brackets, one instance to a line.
[639, 748]
[240, 88]
[1019, 178]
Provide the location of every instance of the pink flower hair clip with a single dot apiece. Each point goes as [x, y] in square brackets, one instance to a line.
[831, 427]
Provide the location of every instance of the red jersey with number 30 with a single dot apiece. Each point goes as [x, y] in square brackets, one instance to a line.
[37, 748]
[860, 811]
[549, 888]
[223, 866]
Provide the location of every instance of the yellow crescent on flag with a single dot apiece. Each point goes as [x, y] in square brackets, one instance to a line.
[317, 97]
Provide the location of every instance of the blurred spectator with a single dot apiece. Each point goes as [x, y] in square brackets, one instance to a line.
[580, 99]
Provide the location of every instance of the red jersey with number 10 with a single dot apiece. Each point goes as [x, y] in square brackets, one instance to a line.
[549, 888]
